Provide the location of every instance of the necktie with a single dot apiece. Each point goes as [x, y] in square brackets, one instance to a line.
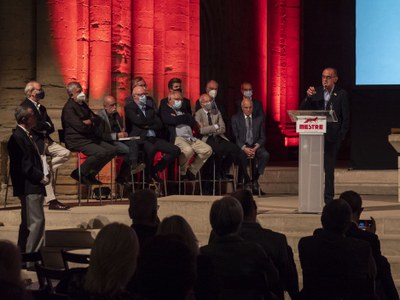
[209, 119]
[249, 132]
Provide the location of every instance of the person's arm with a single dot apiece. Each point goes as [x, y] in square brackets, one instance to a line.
[261, 138]
[75, 119]
[204, 129]
[236, 131]
[169, 117]
[45, 125]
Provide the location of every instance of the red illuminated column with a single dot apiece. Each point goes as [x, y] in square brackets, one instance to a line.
[261, 83]
[166, 42]
[284, 54]
[121, 49]
[100, 51]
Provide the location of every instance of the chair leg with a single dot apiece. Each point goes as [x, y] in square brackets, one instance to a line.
[7, 185]
[79, 177]
[214, 175]
[200, 187]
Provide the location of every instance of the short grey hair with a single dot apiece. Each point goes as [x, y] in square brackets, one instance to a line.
[22, 113]
[72, 86]
[29, 88]
[226, 216]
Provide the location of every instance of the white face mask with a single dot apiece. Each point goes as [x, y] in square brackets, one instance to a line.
[81, 97]
[142, 99]
[248, 94]
[213, 93]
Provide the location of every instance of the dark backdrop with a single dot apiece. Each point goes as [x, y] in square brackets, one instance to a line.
[328, 39]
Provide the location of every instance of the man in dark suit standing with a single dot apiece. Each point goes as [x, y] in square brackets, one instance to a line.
[330, 97]
[385, 284]
[249, 132]
[142, 120]
[41, 134]
[246, 90]
[81, 126]
[335, 266]
[29, 175]
[114, 132]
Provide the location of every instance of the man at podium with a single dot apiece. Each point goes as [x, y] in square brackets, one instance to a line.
[332, 98]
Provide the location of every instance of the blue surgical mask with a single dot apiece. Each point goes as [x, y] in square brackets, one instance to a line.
[142, 99]
[81, 97]
[177, 104]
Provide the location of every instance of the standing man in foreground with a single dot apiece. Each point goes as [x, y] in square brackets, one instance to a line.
[41, 134]
[29, 175]
[330, 97]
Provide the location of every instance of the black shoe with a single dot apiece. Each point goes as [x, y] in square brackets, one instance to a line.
[84, 179]
[190, 176]
[93, 180]
[57, 205]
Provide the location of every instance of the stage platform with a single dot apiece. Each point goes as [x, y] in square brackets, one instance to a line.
[78, 227]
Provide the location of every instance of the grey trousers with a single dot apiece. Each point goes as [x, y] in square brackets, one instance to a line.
[31, 230]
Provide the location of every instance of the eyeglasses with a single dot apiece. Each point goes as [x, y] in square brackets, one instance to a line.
[327, 77]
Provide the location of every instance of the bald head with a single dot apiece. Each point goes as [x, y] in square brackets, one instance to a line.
[247, 106]
[110, 104]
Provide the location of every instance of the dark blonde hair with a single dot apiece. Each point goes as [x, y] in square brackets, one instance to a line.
[178, 226]
[112, 260]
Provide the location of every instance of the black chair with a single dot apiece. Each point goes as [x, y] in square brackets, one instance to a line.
[48, 278]
[69, 257]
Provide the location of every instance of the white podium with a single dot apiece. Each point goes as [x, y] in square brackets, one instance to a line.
[311, 126]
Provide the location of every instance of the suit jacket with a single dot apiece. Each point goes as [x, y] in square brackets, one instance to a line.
[171, 120]
[207, 130]
[137, 123]
[26, 167]
[239, 129]
[240, 264]
[186, 106]
[108, 134]
[44, 126]
[276, 247]
[340, 104]
[336, 267]
[78, 134]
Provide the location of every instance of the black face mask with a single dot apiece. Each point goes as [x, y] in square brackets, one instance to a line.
[179, 90]
[40, 95]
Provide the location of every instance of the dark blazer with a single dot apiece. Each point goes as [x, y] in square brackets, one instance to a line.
[240, 264]
[171, 120]
[239, 129]
[277, 248]
[108, 134]
[186, 106]
[137, 123]
[26, 167]
[78, 134]
[44, 126]
[336, 267]
[340, 104]
[384, 274]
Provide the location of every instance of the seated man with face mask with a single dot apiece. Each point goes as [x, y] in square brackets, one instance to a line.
[180, 133]
[80, 126]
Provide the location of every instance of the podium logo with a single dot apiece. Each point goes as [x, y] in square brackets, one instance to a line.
[313, 120]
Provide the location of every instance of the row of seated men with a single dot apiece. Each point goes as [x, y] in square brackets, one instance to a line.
[157, 260]
[167, 129]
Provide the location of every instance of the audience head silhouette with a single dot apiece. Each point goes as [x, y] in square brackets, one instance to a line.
[226, 215]
[143, 207]
[112, 260]
[355, 202]
[166, 269]
[178, 226]
[249, 206]
[336, 216]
